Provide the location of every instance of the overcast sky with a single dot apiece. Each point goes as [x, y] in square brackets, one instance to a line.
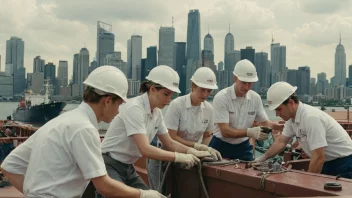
[57, 29]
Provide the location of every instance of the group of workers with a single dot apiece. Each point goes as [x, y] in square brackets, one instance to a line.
[64, 155]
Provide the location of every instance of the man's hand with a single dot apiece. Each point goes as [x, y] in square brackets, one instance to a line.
[199, 154]
[262, 158]
[279, 126]
[201, 147]
[257, 133]
[189, 159]
[151, 194]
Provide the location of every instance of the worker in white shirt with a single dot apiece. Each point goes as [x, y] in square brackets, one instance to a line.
[130, 133]
[189, 120]
[235, 110]
[62, 156]
[321, 137]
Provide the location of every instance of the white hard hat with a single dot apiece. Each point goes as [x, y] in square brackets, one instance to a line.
[165, 76]
[204, 77]
[278, 93]
[245, 71]
[108, 79]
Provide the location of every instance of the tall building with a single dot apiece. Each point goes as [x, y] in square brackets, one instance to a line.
[38, 64]
[166, 46]
[134, 57]
[350, 76]
[231, 59]
[248, 53]
[322, 83]
[180, 64]
[303, 81]
[220, 66]
[50, 74]
[14, 63]
[261, 64]
[151, 60]
[83, 67]
[340, 65]
[208, 60]
[75, 69]
[292, 77]
[93, 66]
[105, 41]
[63, 74]
[278, 62]
[229, 44]
[209, 43]
[193, 36]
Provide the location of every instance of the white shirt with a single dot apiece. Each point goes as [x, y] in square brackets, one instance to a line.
[191, 122]
[135, 118]
[240, 113]
[61, 157]
[316, 129]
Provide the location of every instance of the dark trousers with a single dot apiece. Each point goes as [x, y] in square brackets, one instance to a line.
[341, 166]
[241, 151]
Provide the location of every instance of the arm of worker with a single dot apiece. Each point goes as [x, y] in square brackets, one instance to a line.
[316, 137]
[15, 164]
[207, 137]
[279, 144]
[275, 148]
[273, 125]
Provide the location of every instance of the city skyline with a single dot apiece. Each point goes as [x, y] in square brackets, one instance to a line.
[56, 30]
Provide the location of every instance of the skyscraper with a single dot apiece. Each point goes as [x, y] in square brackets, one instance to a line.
[261, 64]
[209, 43]
[14, 63]
[303, 81]
[83, 67]
[193, 36]
[105, 41]
[63, 73]
[151, 60]
[75, 69]
[229, 44]
[278, 62]
[248, 53]
[166, 46]
[134, 57]
[340, 65]
[38, 64]
[180, 64]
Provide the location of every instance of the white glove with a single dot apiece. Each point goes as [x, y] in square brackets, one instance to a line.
[262, 158]
[201, 147]
[151, 194]
[189, 159]
[256, 133]
[199, 154]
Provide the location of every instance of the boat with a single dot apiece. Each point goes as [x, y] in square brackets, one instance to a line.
[37, 108]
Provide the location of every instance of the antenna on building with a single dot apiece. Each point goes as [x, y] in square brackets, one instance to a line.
[272, 38]
[208, 28]
[340, 36]
[172, 21]
[229, 26]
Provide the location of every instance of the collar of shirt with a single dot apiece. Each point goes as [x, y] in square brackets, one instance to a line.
[91, 115]
[146, 104]
[299, 113]
[233, 93]
[189, 104]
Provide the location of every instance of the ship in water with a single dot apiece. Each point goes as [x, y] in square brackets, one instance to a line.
[37, 108]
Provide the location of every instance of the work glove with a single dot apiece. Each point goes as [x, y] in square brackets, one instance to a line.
[257, 133]
[201, 147]
[262, 158]
[199, 154]
[150, 194]
[188, 159]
